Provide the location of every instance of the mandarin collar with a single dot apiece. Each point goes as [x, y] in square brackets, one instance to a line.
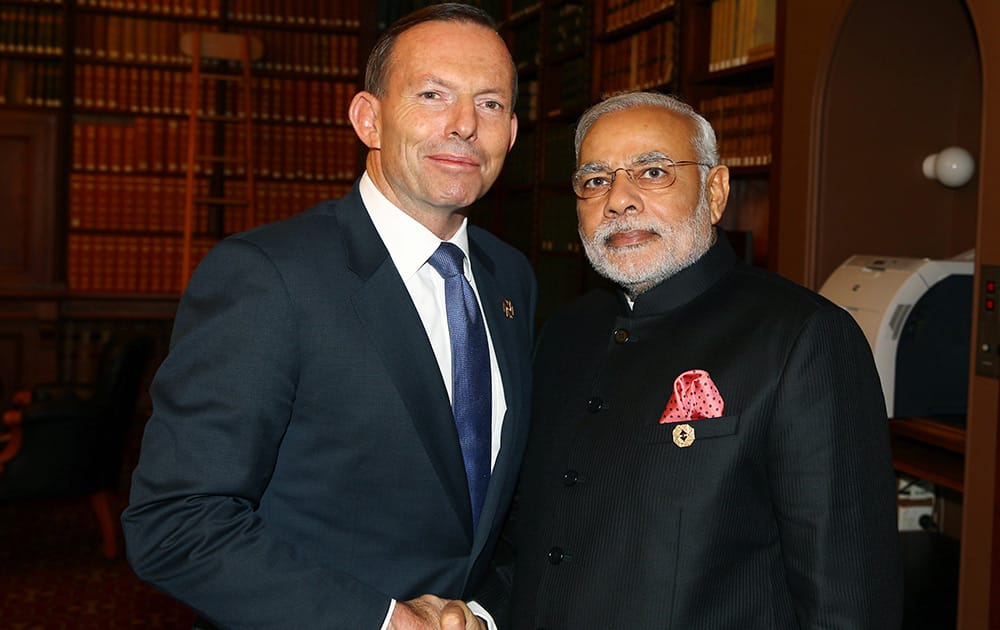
[687, 284]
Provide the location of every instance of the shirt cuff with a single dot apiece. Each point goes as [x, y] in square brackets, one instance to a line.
[480, 612]
[388, 615]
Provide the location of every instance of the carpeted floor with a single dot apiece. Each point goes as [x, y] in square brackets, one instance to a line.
[53, 576]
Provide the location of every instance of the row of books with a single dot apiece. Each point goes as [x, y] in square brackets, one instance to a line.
[316, 53]
[31, 82]
[131, 39]
[31, 29]
[742, 31]
[159, 146]
[137, 90]
[136, 203]
[279, 12]
[743, 123]
[129, 264]
[132, 203]
[524, 45]
[643, 60]
[570, 96]
[204, 9]
[620, 13]
[297, 12]
[151, 264]
[567, 31]
[526, 107]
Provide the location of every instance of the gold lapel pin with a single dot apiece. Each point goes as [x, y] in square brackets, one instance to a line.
[683, 435]
[508, 309]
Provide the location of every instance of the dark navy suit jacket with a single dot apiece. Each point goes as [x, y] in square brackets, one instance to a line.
[301, 466]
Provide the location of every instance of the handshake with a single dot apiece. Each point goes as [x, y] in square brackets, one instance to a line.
[429, 612]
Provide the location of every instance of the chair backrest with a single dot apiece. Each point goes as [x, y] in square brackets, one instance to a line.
[120, 370]
[120, 374]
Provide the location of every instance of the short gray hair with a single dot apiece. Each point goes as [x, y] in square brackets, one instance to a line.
[703, 139]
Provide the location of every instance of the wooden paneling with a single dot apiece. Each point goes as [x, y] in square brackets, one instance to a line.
[940, 223]
[28, 194]
[28, 344]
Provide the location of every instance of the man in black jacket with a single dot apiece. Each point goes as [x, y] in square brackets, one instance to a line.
[709, 444]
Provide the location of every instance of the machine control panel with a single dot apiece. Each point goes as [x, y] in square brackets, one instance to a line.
[988, 333]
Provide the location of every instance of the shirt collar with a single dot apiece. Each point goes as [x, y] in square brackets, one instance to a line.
[409, 243]
[688, 283]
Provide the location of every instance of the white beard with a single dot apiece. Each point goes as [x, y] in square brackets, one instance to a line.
[679, 246]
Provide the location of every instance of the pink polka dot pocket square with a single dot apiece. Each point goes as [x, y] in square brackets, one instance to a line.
[695, 397]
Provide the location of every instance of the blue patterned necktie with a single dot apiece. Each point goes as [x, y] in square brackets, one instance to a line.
[471, 384]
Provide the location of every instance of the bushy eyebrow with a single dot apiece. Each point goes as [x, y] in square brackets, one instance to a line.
[639, 160]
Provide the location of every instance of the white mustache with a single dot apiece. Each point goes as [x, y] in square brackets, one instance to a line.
[606, 230]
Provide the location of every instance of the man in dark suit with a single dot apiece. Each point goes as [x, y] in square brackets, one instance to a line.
[302, 467]
[709, 445]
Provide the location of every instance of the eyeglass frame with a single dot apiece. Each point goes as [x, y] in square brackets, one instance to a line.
[613, 175]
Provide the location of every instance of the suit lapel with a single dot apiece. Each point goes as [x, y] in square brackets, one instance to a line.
[503, 332]
[386, 311]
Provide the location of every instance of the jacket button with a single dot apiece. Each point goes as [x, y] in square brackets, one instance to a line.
[570, 477]
[595, 404]
[620, 335]
[556, 555]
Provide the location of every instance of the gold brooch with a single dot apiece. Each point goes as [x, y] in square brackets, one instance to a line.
[683, 435]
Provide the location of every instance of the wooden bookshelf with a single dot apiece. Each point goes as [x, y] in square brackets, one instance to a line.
[571, 54]
[93, 107]
[130, 97]
[929, 449]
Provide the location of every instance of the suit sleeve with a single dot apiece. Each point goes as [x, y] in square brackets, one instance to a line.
[221, 404]
[832, 480]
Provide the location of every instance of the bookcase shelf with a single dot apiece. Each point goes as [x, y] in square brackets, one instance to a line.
[571, 54]
[110, 81]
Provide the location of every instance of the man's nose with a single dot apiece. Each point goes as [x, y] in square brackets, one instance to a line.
[463, 121]
[623, 197]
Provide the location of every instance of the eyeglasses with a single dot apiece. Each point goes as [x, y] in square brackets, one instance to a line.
[656, 175]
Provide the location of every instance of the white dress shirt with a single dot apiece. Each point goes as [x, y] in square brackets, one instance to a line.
[410, 244]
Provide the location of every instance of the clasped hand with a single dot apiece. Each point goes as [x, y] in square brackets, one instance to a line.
[429, 612]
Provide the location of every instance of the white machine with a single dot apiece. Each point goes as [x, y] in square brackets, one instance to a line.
[916, 314]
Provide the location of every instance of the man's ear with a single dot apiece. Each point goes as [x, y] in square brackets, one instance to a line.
[513, 131]
[717, 191]
[364, 115]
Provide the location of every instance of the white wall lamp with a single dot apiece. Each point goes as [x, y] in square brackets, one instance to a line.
[952, 166]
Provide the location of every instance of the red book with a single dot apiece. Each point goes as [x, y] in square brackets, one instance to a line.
[142, 265]
[128, 149]
[78, 143]
[153, 203]
[308, 139]
[100, 85]
[173, 145]
[126, 193]
[101, 148]
[156, 262]
[75, 201]
[116, 147]
[73, 262]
